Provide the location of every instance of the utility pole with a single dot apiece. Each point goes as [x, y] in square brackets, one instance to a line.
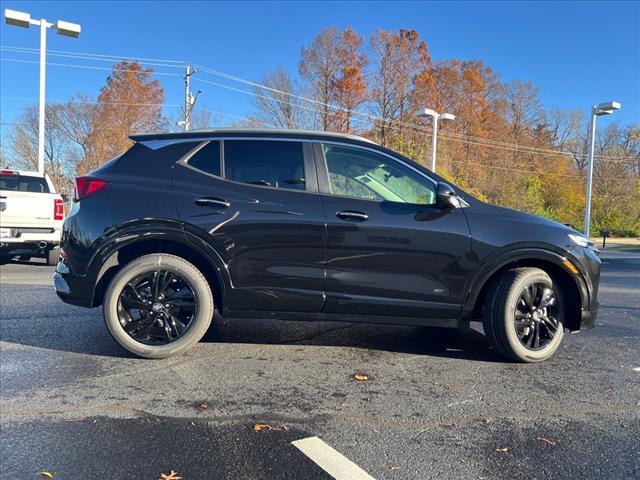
[189, 99]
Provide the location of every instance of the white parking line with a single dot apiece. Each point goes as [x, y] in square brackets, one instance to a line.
[330, 460]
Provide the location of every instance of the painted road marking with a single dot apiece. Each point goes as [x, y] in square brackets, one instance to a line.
[330, 460]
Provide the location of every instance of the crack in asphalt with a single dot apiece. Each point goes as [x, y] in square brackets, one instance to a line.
[343, 416]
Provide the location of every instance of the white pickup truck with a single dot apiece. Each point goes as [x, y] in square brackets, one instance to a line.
[31, 215]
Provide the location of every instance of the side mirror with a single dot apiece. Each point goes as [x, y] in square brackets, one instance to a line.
[446, 196]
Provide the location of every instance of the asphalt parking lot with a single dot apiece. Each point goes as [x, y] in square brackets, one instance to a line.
[437, 404]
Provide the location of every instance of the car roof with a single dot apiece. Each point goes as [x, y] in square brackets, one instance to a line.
[262, 132]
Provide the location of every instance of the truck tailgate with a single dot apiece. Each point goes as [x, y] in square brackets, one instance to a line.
[27, 209]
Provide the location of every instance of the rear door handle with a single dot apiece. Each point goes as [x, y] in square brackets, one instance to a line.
[211, 202]
[352, 215]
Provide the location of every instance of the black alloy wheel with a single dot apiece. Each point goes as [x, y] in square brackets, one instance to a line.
[536, 316]
[157, 307]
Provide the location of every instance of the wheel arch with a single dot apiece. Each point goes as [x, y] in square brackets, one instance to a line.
[572, 285]
[126, 246]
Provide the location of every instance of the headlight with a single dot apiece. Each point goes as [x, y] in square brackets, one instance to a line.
[580, 240]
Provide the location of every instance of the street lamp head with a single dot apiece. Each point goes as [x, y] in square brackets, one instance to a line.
[427, 112]
[447, 116]
[67, 29]
[606, 108]
[18, 19]
[609, 106]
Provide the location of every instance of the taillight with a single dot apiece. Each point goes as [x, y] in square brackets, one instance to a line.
[87, 186]
[58, 209]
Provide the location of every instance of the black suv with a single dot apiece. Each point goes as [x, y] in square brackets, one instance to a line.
[311, 226]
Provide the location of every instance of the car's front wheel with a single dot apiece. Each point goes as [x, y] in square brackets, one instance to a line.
[158, 305]
[523, 315]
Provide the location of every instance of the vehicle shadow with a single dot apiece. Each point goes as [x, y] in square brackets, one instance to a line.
[89, 335]
[469, 344]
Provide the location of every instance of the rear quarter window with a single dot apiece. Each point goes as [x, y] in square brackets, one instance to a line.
[207, 158]
[24, 183]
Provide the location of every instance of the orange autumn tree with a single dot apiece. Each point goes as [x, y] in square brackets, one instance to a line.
[130, 102]
[350, 88]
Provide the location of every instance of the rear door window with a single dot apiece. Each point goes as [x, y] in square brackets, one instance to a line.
[23, 183]
[270, 163]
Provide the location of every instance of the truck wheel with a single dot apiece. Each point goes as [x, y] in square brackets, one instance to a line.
[524, 315]
[158, 305]
[53, 256]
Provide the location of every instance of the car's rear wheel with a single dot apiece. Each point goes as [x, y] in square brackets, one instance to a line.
[524, 315]
[158, 305]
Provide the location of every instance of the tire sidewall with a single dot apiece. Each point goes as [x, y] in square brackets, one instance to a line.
[510, 328]
[178, 266]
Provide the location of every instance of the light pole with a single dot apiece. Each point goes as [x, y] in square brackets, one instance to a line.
[596, 111]
[436, 116]
[22, 19]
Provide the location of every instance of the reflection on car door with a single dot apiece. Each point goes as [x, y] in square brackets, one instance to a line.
[250, 199]
[391, 250]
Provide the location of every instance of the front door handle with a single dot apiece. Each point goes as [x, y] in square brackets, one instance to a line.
[211, 202]
[352, 215]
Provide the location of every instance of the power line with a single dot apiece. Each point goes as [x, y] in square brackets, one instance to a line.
[96, 56]
[88, 67]
[491, 143]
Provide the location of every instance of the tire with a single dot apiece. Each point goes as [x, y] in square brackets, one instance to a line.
[115, 314]
[53, 256]
[510, 322]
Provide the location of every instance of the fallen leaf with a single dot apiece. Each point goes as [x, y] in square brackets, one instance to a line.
[46, 474]
[375, 430]
[447, 386]
[173, 475]
[361, 377]
[546, 440]
[204, 405]
[258, 427]
[502, 450]
[609, 391]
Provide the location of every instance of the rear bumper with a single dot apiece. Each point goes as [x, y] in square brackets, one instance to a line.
[71, 288]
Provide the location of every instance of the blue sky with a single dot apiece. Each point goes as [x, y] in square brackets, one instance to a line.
[556, 45]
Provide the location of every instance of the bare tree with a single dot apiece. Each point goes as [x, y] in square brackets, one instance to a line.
[277, 105]
[320, 67]
[398, 59]
[23, 144]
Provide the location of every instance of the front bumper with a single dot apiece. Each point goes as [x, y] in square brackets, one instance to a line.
[588, 318]
[589, 263]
